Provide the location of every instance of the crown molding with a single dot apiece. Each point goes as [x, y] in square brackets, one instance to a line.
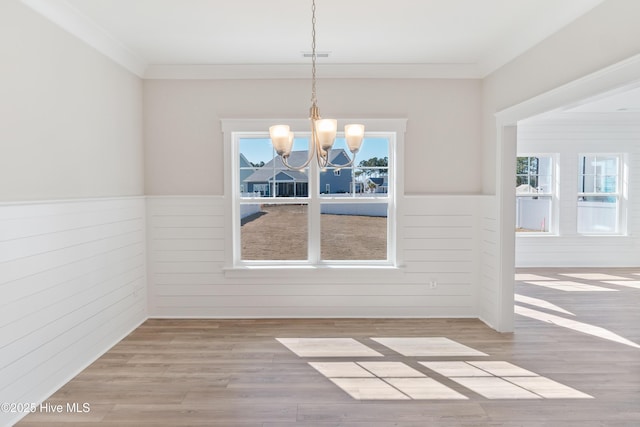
[71, 20]
[302, 71]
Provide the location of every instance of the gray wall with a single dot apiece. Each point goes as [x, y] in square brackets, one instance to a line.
[71, 118]
[183, 140]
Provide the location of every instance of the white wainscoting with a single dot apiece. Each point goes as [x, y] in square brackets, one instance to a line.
[438, 242]
[73, 283]
[568, 138]
[490, 266]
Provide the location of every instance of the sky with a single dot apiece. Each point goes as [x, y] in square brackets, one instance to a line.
[260, 149]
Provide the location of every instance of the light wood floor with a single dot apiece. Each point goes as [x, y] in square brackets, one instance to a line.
[233, 373]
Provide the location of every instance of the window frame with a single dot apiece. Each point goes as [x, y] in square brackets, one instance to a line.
[553, 193]
[236, 129]
[620, 228]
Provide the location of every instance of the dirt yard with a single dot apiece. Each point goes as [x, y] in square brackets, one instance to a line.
[280, 233]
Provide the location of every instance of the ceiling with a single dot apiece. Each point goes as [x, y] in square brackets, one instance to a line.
[266, 38]
[622, 103]
[619, 101]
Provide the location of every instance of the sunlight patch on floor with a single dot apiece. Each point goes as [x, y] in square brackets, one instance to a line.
[430, 346]
[455, 369]
[369, 389]
[341, 370]
[568, 286]
[497, 379]
[394, 380]
[391, 369]
[425, 388]
[548, 388]
[526, 276]
[585, 328]
[328, 347]
[627, 283]
[592, 276]
[495, 388]
[500, 368]
[541, 303]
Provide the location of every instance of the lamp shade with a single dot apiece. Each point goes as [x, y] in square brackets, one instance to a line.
[282, 139]
[354, 135]
[326, 130]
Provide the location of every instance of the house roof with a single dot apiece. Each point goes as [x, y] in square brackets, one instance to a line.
[525, 188]
[244, 163]
[275, 166]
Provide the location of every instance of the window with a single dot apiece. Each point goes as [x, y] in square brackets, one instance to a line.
[534, 193]
[598, 203]
[343, 215]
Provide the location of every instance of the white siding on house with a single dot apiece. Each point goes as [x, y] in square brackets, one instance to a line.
[570, 136]
[186, 240]
[73, 283]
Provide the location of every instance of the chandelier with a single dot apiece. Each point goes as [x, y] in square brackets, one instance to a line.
[323, 131]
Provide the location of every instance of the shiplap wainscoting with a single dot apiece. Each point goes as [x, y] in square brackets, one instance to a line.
[568, 138]
[489, 258]
[72, 284]
[438, 242]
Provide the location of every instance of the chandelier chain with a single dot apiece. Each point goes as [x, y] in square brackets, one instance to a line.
[323, 132]
[314, 98]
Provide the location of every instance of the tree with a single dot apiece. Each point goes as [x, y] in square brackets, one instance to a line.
[527, 171]
[374, 166]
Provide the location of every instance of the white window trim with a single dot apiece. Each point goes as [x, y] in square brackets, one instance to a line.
[554, 230]
[621, 193]
[233, 129]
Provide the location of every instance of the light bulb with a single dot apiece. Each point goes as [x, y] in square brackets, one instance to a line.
[282, 139]
[326, 130]
[354, 134]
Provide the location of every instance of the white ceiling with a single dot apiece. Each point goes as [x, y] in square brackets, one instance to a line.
[619, 101]
[365, 38]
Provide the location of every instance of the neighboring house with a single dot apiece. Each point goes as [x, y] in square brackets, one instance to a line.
[373, 185]
[246, 170]
[275, 179]
[379, 184]
[525, 189]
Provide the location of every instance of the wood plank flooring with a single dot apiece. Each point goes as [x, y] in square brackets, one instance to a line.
[234, 373]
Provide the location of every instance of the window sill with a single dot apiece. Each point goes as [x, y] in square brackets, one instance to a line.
[602, 235]
[383, 272]
[532, 235]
